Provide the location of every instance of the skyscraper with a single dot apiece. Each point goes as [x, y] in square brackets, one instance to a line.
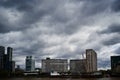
[2, 53]
[9, 64]
[30, 64]
[6, 62]
[9, 53]
[91, 60]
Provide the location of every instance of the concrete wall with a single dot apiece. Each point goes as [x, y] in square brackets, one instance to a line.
[54, 65]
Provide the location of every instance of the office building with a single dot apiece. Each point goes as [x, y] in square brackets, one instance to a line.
[91, 61]
[9, 53]
[9, 63]
[30, 64]
[6, 62]
[54, 65]
[12, 66]
[78, 66]
[115, 63]
[2, 52]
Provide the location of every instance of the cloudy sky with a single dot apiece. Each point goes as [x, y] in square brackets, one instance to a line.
[60, 29]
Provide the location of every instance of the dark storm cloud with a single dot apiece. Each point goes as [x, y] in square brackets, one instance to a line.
[8, 22]
[3, 28]
[55, 28]
[88, 9]
[112, 41]
[3, 24]
[114, 28]
[32, 13]
[116, 5]
[27, 7]
[32, 10]
[93, 7]
[18, 4]
[6, 28]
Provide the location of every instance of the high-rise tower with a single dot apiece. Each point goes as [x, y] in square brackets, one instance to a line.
[2, 53]
[91, 60]
[30, 64]
[9, 53]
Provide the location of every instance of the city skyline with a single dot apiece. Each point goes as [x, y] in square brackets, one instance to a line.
[60, 29]
[88, 61]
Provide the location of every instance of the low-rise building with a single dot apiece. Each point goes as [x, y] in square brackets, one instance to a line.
[54, 65]
[78, 66]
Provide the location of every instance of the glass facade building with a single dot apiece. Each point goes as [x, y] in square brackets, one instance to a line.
[30, 64]
[115, 63]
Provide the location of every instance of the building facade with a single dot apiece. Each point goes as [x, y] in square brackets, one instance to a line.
[2, 53]
[115, 63]
[91, 61]
[9, 53]
[54, 65]
[78, 66]
[6, 62]
[30, 64]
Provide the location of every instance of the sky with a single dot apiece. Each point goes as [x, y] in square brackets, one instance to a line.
[60, 29]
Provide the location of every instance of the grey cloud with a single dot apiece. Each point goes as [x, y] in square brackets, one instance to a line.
[93, 7]
[6, 23]
[3, 28]
[53, 19]
[90, 8]
[18, 4]
[32, 13]
[31, 46]
[113, 28]
[75, 54]
[3, 24]
[116, 6]
[112, 41]
[117, 51]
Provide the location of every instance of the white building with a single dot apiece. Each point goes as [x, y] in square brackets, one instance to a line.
[54, 65]
[91, 60]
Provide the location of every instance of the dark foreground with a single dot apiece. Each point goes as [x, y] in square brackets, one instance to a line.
[61, 79]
